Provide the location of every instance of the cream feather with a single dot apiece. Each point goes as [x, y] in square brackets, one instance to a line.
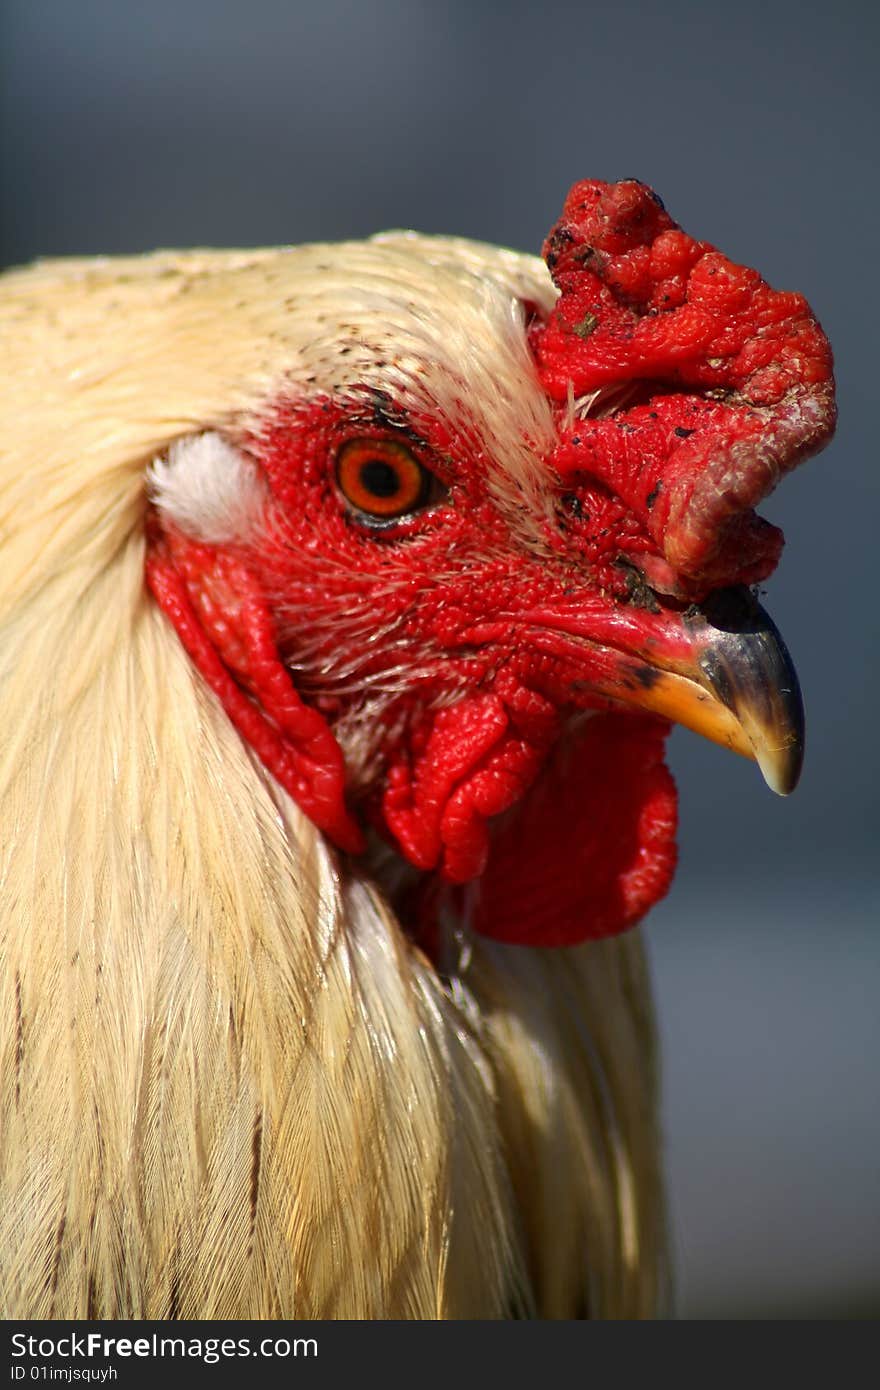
[229, 1085]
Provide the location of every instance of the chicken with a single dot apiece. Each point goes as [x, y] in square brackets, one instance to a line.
[347, 594]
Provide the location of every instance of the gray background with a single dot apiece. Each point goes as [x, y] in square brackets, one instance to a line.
[125, 127]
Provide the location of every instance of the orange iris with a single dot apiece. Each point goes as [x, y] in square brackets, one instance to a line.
[380, 477]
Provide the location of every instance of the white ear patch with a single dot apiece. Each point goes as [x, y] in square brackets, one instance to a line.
[210, 490]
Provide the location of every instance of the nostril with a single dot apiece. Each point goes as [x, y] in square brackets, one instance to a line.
[638, 591]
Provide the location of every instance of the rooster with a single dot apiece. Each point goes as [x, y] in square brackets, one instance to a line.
[347, 595]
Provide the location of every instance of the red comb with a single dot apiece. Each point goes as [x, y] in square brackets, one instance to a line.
[727, 384]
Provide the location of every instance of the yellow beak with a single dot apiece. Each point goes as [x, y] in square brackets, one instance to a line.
[731, 680]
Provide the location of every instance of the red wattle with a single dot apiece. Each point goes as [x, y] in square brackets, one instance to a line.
[232, 645]
[592, 846]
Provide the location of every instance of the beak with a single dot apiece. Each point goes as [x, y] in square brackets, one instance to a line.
[731, 679]
[719, 668]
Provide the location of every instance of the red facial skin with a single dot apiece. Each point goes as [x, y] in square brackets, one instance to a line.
[482, 703]
[465, 651]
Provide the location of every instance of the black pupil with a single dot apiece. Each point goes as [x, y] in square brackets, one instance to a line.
[379, 478]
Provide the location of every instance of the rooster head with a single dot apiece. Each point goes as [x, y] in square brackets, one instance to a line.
[455, 568]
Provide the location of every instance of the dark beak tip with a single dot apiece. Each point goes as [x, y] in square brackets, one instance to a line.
[748, 666]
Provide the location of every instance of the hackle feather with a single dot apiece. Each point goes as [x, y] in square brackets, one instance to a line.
[229, 1084]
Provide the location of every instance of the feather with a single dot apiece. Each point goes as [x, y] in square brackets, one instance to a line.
[230, 1084]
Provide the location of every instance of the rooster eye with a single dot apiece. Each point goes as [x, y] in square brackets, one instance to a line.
[381, 478]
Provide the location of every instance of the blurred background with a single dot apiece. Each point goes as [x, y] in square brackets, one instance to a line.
[181, 122]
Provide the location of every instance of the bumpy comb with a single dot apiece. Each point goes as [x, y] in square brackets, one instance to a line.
[696, 386]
